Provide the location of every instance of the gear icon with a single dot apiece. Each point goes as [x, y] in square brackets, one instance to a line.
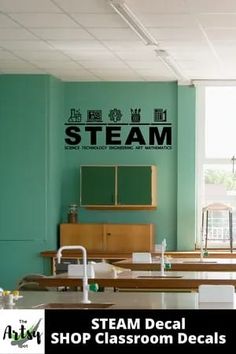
[115, 115]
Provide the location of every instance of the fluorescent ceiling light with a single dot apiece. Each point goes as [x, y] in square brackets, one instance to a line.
[134, 23]
[171, 65]
[129, 17]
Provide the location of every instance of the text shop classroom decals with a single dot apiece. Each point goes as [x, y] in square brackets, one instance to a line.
[99, 130]
[157, 331]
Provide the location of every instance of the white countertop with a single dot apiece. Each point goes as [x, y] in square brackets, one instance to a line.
[121, 300]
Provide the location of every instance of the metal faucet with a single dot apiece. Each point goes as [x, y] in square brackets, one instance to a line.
[163, 247]
[85, 273]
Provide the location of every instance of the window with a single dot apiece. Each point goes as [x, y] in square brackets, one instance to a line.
[216, 148]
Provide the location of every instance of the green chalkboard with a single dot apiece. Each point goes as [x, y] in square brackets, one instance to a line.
[97, 185]
[134, 185]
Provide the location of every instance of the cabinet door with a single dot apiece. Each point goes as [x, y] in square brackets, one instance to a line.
[88, 235]
[126, 238]
[97, 185]
[134, 185]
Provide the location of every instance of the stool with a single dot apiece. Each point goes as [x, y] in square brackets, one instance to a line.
[205, 214]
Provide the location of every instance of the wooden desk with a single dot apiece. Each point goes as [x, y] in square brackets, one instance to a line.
[111, 257]
[183, 264]
[74, 254]
[146, 280]
[196, 254]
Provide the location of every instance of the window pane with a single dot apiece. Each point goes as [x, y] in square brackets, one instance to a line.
[220, 187]
[220, 139]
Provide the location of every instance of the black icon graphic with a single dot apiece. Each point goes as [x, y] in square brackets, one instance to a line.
[115, 115]
[135, 114]
[75, 116]
[94, 115]
[160, 115]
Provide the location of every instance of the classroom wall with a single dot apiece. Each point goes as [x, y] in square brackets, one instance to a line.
[40, 178]
[30, 180]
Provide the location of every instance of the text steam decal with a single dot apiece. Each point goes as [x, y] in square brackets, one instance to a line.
[96, 130]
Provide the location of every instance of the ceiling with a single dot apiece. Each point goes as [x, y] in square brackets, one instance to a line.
[87, 40]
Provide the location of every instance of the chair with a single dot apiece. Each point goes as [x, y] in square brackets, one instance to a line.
[216, 293]
[141, 257]
[205, 218]
[29, 283]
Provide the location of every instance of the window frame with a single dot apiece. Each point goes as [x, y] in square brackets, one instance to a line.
[201, 160]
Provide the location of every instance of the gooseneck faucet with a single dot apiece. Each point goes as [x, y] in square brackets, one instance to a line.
[163, 248]
[85, 273]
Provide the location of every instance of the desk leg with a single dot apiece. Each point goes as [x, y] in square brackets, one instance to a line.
[53, 265]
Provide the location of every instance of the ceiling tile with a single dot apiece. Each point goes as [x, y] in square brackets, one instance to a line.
[15, 34]
[28, 6]
[14, 63]
[85, 6]
[176, 34]
[4, 54]
[111, 71]
[161, 72]
[136, 55]
[6, 22]
[63, 34]
[217, 20]
[41, 55]
[105, 64]
[47, 20]
[213, 6]
[77, 77]
[70, 71]
[221, 34]
[124, 45]
[170, 20]
[113, 33]
[77, 45]
[90, 55]
[22, 70]
[157, 6]
[47, 64]
[159, 78]
[225, 47]
[87, 40]
[114, 77]
[145, 64]
[24, 45]
[100, 20]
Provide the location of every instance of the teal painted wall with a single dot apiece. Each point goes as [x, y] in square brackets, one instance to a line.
[186, 190]
[39, 178]
[29, 208]
[106, 96]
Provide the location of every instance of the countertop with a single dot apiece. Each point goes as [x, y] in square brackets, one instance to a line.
[144, 280]
[117, 256]
[121, 300]
[182, 264]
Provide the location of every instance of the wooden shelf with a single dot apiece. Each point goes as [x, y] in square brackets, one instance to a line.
[122, 207]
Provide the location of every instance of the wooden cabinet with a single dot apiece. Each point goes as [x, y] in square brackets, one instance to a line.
[88, 235]
[118, 187]
[110, 238]
[128, 238]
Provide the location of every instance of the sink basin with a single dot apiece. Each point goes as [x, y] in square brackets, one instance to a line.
[92, 305]
[159, 276]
